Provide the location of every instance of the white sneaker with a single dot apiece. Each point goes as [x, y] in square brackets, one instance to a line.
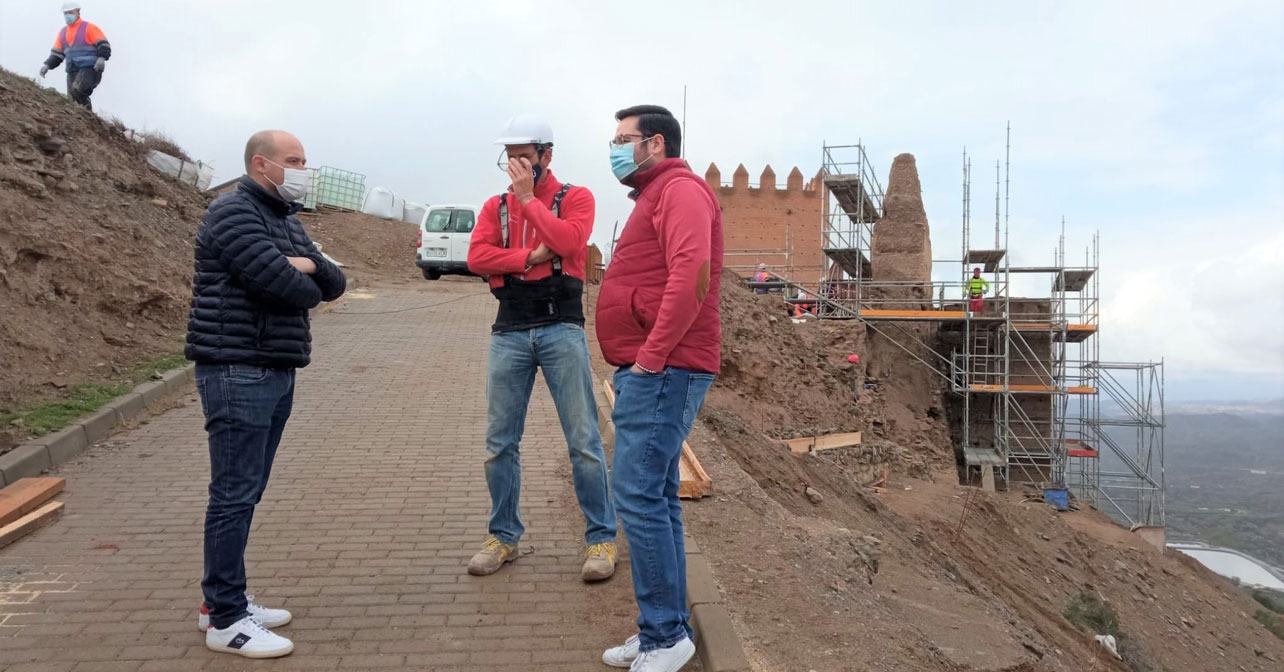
[665, 660]
[270, 618]
[247, 637]
[622, 656]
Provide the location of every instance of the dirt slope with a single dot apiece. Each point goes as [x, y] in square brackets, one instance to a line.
[96, 249]
[371, 249]
[891, 581]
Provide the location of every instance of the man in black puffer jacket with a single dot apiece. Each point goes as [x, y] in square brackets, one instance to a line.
[257, 275]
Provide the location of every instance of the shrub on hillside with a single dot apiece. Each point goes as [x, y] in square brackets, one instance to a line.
[1272, 622]
[1095, 616]
[1270, 600]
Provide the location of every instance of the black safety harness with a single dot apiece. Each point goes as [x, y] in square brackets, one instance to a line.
[526, 304]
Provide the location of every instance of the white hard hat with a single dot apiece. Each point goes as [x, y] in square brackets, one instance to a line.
[70, 6]
[526, 129]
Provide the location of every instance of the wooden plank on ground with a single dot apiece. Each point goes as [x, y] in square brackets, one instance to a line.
[806, 444]
[610, 393]
[693, 481]
[30, 523]
[25, 495]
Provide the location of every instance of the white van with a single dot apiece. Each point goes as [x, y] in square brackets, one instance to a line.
[443, 240]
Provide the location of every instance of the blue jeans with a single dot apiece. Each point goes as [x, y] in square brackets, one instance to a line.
[561, 350]
[653, 415]
[245, 412]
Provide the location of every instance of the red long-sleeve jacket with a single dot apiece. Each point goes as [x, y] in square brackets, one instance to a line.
[658, 305]
[528, 226]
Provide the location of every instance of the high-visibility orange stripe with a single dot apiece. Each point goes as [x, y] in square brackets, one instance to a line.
[936, 314]
[1033, 388]
[1081, 453]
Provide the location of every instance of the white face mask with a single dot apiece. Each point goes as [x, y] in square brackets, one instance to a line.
[295, 187]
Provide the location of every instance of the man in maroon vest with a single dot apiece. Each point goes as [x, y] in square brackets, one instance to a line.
[657, 320]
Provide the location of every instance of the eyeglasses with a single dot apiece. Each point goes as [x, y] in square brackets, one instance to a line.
[502, 163]
[623, 139]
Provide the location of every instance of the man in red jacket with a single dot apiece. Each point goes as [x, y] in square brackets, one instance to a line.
[657, 319]
[532, 241]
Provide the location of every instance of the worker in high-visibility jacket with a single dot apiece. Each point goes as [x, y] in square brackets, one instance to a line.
[761, 276]
[976, 288]
[85, 49]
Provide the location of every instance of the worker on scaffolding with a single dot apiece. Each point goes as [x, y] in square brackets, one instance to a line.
[761, 276]
[802, 306]
[977, 286]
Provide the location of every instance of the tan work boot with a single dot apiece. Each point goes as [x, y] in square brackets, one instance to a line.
[493, 555]
[599, 562]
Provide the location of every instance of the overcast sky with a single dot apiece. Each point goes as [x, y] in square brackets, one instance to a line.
[1159, 124]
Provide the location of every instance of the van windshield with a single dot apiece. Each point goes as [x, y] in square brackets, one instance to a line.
[439, 221]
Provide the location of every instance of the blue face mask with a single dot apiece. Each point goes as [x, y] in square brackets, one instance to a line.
[69, 18]
[622, 163]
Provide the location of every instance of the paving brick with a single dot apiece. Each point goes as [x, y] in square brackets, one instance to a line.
[376, 502]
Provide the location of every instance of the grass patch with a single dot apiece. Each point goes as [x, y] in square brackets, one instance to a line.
[1095, 616]
[1271, 601]
[86, 398]
[1272, 622]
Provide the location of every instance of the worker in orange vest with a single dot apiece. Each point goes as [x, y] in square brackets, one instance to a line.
[85, 49]
[761, 276]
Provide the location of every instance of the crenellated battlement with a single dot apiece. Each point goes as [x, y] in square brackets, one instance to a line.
[766, 181]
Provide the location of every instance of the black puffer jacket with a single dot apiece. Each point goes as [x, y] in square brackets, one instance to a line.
[249, 305]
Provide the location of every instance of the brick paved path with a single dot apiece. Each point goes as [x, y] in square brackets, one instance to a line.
[376, 501]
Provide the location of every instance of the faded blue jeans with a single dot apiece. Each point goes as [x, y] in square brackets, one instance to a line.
[246, 408]
[561, 350]
[653, 415]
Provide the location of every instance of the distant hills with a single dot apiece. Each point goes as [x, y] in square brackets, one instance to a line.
[1225, 476]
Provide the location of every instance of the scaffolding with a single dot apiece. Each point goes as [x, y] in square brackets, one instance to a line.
[1026, 369]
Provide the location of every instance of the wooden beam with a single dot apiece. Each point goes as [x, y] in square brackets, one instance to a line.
[25, 495]
[807, 444]
[30, 523]
[987, 478]
[693, 482]
[610, 393]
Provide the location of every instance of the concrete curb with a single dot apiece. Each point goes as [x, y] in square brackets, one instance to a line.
[717, 644]
[39, 455]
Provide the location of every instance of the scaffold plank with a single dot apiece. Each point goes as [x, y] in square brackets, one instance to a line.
[1081, 453]
[1073, 279]
[990, 258]
[852, 197]
[852, 260]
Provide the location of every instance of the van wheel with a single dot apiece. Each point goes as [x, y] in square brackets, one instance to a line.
[430, 274]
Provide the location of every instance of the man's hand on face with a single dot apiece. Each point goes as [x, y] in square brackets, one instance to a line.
[303, 265]
[539, 255]
[519, 170]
